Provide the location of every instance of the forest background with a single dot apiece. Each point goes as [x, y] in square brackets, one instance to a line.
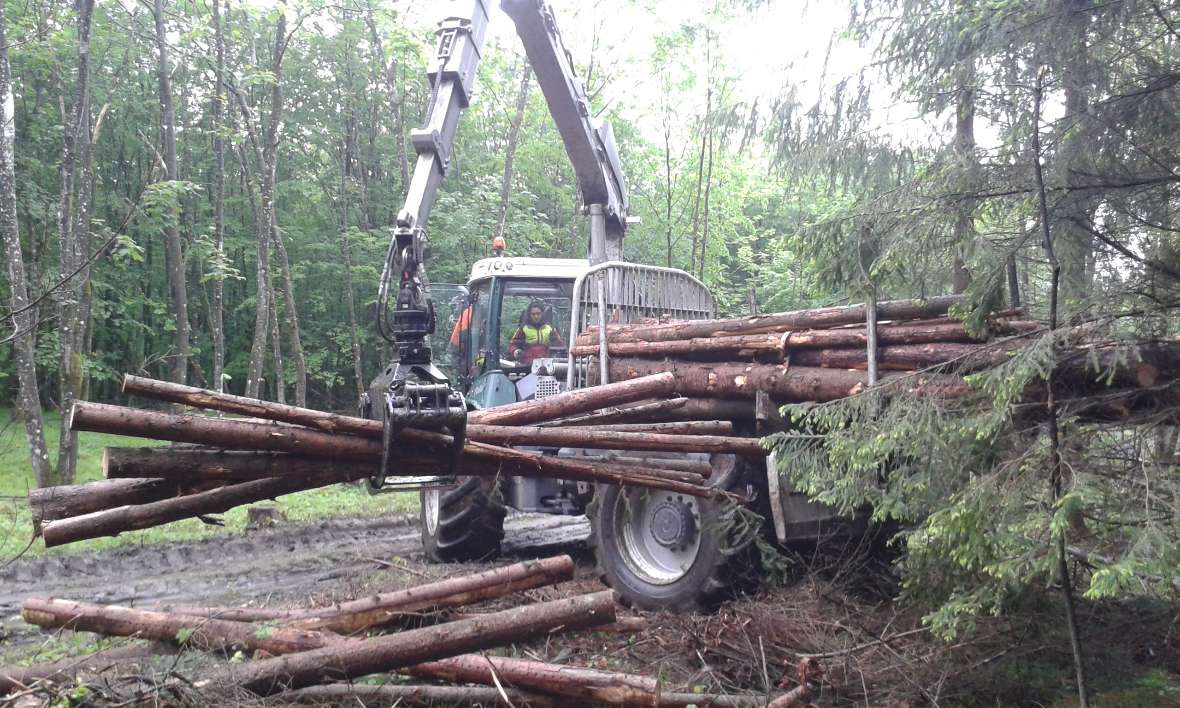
[201, 191]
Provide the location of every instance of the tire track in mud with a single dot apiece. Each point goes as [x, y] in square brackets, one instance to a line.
[283, 564]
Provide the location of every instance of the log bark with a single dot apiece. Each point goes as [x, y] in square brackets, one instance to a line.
[909, 357]
[404, 694]
[201, 632]
[609, 440]
[783, 383]
[353, 659]
[941, 330]
[359, 615]
[642, 410]
[571, 681]
[523, 413]
[574, 402]
[13, 678]
[336, 694]
[479, 458]
[225, 466]
[51, 503]
[112, 522]
[754, 343]
[676, 427]
[701, 468]
[775, 322]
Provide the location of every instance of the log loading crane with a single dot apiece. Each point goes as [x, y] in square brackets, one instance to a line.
[655, 549]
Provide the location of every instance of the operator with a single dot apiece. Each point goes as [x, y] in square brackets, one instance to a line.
[534, 337]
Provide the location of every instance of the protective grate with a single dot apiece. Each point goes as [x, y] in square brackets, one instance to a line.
[622, 293]
[547, 386]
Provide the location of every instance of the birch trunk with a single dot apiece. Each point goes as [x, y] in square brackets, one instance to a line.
[28, 401]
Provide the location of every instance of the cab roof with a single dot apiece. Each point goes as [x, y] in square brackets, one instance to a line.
[526, 267]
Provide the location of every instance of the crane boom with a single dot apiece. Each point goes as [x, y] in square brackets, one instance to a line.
[589, 142]
[414, 390]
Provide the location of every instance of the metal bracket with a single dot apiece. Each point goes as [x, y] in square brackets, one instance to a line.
[431, 405]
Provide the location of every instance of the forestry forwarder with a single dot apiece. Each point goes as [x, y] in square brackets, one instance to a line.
[655, 549]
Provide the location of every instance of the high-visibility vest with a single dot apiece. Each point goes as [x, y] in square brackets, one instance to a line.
[537, 335]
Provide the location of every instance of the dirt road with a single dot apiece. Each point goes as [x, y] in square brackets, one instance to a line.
[284, 565]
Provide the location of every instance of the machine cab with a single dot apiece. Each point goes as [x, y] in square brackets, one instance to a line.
[509, 340]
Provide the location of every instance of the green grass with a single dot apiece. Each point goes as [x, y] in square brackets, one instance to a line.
[16, 479]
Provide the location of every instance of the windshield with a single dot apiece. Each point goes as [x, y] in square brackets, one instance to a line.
[534, 317]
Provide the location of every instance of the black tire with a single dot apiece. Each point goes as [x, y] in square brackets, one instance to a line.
[470, 523]
[726, 560]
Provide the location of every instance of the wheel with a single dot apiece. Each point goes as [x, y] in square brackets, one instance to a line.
[463, 523]
[662, 550]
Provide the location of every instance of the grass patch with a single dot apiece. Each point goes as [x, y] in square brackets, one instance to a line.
[16, 479]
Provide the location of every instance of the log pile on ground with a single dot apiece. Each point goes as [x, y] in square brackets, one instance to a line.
[317, 647]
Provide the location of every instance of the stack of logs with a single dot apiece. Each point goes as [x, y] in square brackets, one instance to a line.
[317, 646]
[223, 463]
[822, 355]
[807, 355]
[677, 387]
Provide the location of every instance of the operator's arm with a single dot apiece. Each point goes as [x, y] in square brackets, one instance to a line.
[516, 344]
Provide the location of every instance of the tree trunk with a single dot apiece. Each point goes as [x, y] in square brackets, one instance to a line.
[62, 502]
[262, 297]
[522, 99]
[908, 357]
[775, 322]
[217, 307]
[782, 383]
[392, 95]
[201, 632]
[335, 694]
[640, 411]
[347, 153]
[276, 340]
[196, 465]
[292, 321]
[357, 616]
[668, 187]
[708, 187]
[28, 399]
[270, 154]
[1072, 239]
[575, 402]
[76, 130]
[964, 146]
[173, 253]
[112, 522]
[591, 438]
[394, 651]
[773, 344]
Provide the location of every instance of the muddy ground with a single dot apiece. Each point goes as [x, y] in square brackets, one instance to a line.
[836, 607]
